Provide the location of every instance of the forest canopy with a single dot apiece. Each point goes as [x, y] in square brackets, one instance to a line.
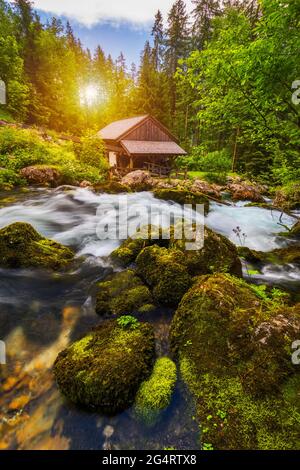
[220, 78]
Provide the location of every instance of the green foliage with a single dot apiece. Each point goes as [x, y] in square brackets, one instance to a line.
[9, 179]
[155, 394]
[237, 103]
[21, 148]
[128, 322]
[90, 151]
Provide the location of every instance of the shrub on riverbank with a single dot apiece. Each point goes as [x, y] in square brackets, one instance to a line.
[22, 148]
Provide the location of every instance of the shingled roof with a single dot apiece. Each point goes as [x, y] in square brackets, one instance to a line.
[142, 147]
[116, 129]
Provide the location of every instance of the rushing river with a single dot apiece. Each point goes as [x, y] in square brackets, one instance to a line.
[41, 313]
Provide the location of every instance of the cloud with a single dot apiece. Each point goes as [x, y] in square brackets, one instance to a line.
[91, 12]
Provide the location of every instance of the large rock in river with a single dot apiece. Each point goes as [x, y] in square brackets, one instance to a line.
[234, 351]
[21, 246]
[218, 254]
[104, 370]
[42, 175]
[123, 293]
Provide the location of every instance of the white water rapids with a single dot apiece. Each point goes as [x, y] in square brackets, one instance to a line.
[72, 216]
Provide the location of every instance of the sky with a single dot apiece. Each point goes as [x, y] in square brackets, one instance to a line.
[117, 25]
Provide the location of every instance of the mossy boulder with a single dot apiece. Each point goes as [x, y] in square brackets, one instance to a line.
[104, 370]
[21, 246]
[155, 394]
[123, 293]
[111, 187]
[218, 254]
[182, 196]
[280, 256]
[148, 235]
[165, 272]
[234, 351]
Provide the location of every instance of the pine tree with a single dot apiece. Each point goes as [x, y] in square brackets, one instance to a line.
[177, 46]
[203, 14]
[158, 50]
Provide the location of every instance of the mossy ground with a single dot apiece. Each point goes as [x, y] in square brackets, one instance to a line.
[104, 370]
[155, 393]
[21, 246]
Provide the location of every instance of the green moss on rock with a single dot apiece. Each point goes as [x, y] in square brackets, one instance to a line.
[218, 254]
[182, 196]
[21, 246]
[148, 235]
[165, 271]
[280, 256]
[104, 369]
[112, 187]
[155, 394]
[235, 356]
[123, 293]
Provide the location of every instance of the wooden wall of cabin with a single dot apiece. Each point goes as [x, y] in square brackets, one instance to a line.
[148, 131]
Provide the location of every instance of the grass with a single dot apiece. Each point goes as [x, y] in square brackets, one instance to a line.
[203, 175]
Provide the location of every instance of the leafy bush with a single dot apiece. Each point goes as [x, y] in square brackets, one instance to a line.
[91, 152]
[21, 148]
[212, 162]
[8, 179]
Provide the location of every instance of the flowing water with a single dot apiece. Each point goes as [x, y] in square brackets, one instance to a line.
[41, 313]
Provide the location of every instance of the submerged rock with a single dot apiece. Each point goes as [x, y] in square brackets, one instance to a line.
[104, 370]
[122, 294]
[182, 196]
[165, 271]
[235, 356]
[155, 394]
[21, 246]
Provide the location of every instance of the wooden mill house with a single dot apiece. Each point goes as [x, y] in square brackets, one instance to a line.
[140, 143]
